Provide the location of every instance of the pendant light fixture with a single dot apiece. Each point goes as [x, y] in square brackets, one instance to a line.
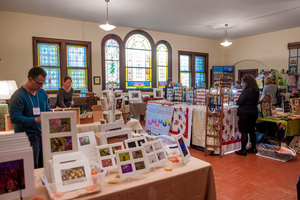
[107, 26]
[226, 43]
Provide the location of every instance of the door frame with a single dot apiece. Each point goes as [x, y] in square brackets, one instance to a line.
[240, 71]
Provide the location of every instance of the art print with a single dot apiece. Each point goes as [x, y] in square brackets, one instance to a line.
[183, 149]
[119, 103]
[118, 93]
[104, 103]
[265, 109]
[115, 136]
[149, 148]
[155, 152]
[60, 144]
[132, 161]
[135, 95]
[158, 92]
[84, 140]
[118, 116]
[60, 125]
[106, 155]
[105, 117]
[72, 175]
[135, 142]
[131, 144]
[16, 173]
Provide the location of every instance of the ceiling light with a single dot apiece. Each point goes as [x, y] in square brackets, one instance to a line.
[107, 26]
[226, 43]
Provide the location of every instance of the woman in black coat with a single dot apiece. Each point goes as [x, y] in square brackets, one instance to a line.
[248, 113]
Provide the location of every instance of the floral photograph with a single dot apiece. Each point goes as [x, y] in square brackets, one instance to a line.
[60, 125]
[61, 144]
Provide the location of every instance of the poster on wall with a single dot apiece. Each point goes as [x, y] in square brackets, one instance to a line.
[159, 118]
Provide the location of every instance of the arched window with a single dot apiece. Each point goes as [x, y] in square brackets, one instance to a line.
[138, 61]
[111, 52]
[163, 63]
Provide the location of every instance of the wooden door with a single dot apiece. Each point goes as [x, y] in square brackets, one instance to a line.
[244, 72]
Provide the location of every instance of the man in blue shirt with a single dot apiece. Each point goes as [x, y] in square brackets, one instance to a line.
[25, 108]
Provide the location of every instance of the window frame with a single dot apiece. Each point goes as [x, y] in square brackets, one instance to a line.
[121, 56]
[63, 58]
[192, 63]
[169, 59]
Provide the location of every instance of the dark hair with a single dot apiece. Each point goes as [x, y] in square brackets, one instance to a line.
[36, 71]
[67, 78]
[238, 82]
[250, 82]
[169, 79]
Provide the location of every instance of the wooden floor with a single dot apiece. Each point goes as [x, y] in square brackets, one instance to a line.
[252, 177]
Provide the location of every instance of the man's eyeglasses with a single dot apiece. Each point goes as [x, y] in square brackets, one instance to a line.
[40, 84]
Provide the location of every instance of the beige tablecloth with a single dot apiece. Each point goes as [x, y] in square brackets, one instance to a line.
[138, 108]
[195, 180]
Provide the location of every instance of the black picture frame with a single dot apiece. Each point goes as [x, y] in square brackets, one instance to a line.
[97, 80]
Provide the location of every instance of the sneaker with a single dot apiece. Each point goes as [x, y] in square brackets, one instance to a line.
[252, 151]
[242, 153]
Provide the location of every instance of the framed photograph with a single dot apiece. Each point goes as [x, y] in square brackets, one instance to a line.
[112, 126]
[115, 136]
[87, 143]
[155, 152]
[132, 161]
[184, 151]
[59, 135]
[97, 80]
[118, 116]
[106, 117]
[118, 93]
[135, 95]
[17, 173]
[135, 142]
[158, 93]
[119, 103]
[105, 94]
[265, 109]
[106, 155]
[72, 175]
[104, 103]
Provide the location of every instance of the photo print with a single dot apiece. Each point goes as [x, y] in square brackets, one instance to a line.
[61, 144]
[157, 146]
[84, 140]
[118, 138]
[131, 144]
[124, 157]
[126, 168]
[140, 142]
[149, 148]
[104, 103]
[119, 103]
[104, 152]
[107, 162]
[73, 175]
[152, 159]
[135, 95]
[157, 92]
[183, 147]
[60, 125]
[184, 151]
[137, 154]
[116, 148]
[105, 117]
[118, 116]
[118, 93]
[139, 165]
[161, 156]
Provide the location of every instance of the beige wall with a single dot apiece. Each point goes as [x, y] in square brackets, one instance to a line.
[265, 51]
[18, 29]
[260, 51]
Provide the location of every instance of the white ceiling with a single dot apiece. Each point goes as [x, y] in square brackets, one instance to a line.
[199, 18]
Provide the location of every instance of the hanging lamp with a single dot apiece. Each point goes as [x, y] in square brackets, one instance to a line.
[107, 26]
[226, 43]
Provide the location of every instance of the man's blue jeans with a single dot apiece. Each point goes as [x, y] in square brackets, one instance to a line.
[36, 143]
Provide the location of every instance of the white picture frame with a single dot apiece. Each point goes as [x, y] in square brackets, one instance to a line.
[106, 116]
[118, 116]
[87, 143]
[105, 94]
[135, 95]
[118, 93]
[155, 152]
[62, 170]
[135, 142]
[132, 161]
[158, 92]
[22, 160]
[115, 136]
[119, 103]
[183, 149]
[104, 104]
[58, 141]
[106, 155]
[112, 126]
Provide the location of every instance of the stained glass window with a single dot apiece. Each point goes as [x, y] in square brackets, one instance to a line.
[52, 80]
[112, 62]
[193, 69]
[48, 55]
[79, 78]
[138, 62]
[185, 70]
[162, 58]
[76, 59]
[73, 60]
